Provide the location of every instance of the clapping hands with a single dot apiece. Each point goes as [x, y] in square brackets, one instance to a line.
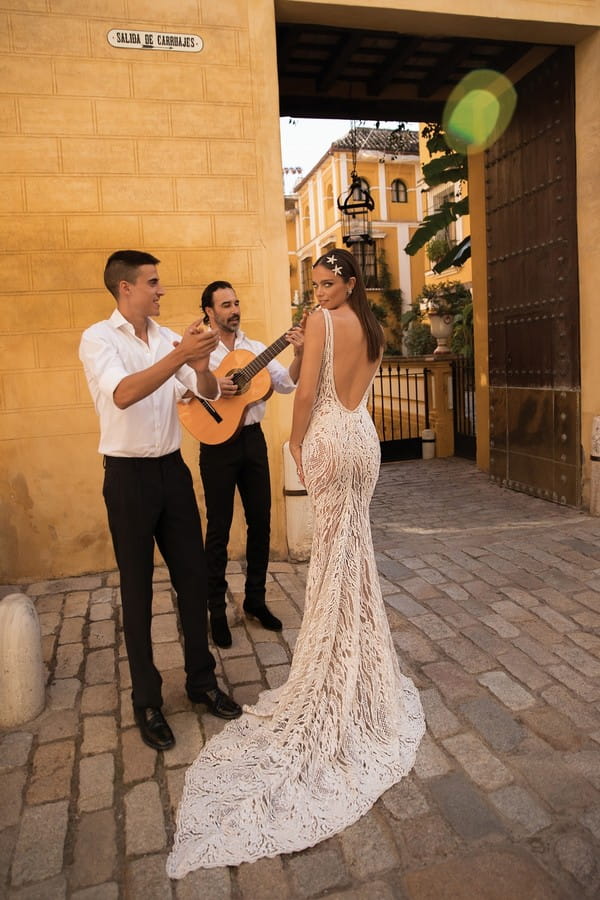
[197, 344]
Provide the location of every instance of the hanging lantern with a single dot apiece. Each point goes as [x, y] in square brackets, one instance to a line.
[355, 208]
[356, 205]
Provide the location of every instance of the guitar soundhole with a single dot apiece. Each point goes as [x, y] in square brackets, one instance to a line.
[241, 383]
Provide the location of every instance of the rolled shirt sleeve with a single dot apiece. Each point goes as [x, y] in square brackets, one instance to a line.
[110, 352]
[280, 378]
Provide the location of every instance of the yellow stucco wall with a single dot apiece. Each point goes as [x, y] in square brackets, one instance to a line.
[587, 126]
[480, 308]
[105, 148]
[178, 154]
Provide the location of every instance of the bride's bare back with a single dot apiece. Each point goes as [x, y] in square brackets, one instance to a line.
[352, 369]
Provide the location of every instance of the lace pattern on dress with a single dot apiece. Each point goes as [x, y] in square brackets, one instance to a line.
[313, 756]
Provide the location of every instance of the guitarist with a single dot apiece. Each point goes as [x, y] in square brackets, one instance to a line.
[243, 463]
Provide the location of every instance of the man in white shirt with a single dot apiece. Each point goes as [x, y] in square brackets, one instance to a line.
[241, 462]
[136, 372]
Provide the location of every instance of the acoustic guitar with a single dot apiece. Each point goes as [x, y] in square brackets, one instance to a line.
[218, 421]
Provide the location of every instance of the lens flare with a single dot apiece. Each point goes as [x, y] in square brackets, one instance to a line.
[478, 110]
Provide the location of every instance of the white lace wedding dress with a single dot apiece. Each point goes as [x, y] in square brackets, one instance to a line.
[314, 755]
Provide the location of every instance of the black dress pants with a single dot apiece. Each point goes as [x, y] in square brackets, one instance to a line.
[241, 463]
[148, 500]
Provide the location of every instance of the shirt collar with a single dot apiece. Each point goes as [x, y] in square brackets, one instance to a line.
[118, 320]
[239, 336]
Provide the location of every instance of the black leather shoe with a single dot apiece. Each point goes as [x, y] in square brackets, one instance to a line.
[219, 629]
[154, 728]
[266, 618]
[219, 704]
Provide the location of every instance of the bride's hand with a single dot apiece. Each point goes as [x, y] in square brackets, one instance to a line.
[296, 451]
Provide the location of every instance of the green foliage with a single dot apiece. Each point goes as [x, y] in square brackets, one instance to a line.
[445, 169]
[419, 340]
[307, 304]
[461, 342]
[445, 298]
[449, 212]
[450, 167]
[437, 249]
[393, 302]
[456, 252]
[434, 135]
[379, 312]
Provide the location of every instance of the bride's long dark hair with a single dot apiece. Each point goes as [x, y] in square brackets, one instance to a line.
[357, 301]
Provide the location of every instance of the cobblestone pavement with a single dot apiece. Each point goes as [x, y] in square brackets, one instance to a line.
[494, 604]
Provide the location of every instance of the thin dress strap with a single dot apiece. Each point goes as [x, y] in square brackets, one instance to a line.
[327, 367]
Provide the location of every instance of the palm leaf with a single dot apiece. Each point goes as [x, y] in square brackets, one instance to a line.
[449, 212]
[450, 168]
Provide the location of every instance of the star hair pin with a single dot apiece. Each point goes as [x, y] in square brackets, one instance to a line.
[337, 270]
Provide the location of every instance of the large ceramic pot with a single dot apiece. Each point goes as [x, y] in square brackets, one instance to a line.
[441, 329]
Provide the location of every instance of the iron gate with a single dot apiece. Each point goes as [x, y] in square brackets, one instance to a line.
[399, 407]
[463, 407]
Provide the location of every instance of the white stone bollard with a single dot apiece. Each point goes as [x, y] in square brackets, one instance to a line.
[298, 511]
[428, 443]
[22, 673]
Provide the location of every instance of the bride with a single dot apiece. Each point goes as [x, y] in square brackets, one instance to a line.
[314, 755]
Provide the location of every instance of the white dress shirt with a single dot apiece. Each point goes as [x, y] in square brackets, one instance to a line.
[110, 351]
[280, 378]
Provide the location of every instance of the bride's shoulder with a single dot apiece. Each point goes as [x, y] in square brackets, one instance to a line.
[347, 318]
[315, 322]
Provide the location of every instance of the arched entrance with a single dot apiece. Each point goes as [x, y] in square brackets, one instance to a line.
[527, 370]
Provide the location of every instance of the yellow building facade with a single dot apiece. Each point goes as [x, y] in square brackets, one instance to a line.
[175, 149]
[315, 222]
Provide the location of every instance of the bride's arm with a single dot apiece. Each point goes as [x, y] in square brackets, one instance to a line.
[306, 389]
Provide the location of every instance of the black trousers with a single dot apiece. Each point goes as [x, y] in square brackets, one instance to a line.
[241, 463]
[150, 500]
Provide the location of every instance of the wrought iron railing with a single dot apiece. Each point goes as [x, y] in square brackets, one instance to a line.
[463, 390]
[399, 407]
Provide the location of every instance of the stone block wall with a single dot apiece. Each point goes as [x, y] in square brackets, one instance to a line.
[104, 148]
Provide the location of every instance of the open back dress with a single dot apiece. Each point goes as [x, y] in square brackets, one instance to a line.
[311, 757]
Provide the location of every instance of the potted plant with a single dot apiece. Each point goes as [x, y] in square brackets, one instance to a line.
[440, 306]
[437, 248]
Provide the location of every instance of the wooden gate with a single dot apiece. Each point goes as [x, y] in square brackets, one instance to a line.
[533, 300]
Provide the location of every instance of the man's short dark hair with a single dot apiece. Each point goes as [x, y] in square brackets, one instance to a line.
[207, 295]
[123, 265]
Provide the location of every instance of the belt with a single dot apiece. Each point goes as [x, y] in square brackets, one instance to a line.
[140, 461]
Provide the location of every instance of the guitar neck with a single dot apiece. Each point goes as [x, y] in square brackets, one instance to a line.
[263, 359]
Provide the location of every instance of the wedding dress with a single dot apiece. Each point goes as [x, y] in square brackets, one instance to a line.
[311, 757]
